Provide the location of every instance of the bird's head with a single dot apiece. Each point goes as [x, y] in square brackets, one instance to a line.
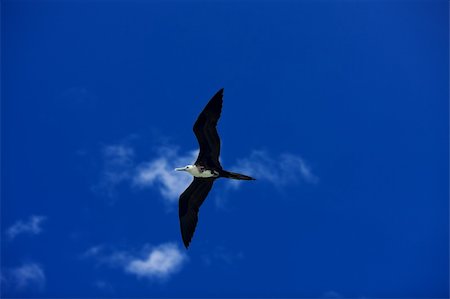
[185, 168]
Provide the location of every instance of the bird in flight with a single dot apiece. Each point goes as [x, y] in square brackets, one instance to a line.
[205, 170]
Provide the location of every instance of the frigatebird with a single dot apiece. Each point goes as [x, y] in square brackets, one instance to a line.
[205, 170]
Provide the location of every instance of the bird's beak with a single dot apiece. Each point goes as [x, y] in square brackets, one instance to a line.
[180, 169]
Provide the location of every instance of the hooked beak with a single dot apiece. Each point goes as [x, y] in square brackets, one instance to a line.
[180, 169]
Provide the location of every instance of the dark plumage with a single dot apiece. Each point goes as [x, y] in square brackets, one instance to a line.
[208, 159]
[189, 205]
[206, 132]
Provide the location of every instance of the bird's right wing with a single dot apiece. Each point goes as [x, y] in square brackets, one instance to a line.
[206, 132]
[189, 205]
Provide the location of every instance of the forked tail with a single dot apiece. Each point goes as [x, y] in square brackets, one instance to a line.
[236, 176]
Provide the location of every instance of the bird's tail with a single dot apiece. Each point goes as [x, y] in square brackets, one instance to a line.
[236, 176]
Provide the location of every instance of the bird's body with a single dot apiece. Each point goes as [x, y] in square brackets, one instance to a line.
[205, 170]
[199, 171]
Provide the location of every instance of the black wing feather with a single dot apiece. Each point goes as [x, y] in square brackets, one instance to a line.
[189, 205]
[206, 132]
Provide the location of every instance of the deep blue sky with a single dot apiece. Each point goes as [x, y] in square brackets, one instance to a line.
[358, 90]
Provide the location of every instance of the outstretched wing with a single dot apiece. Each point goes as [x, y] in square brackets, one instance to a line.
[189, 204]
[206, 132]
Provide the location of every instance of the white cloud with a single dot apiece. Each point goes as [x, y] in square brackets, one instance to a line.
[158, 262]
[279, 170]
[27, 276]
[32, 226]
[160, 172]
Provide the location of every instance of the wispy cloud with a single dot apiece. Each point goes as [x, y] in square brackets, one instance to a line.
[31, 226]
[118, 162]
[279, 170]
[92, 251]
[120, 167]
[25, 277]
[221, 255]
[160, 173]
[158, 262]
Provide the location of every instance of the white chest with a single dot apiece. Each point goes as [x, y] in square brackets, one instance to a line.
[202, 174]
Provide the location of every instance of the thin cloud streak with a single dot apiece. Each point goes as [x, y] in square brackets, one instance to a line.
[280, 170]
[32, 226]
[25, 277]
[221, 255]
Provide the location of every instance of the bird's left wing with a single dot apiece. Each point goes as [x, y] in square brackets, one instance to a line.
[189, 205]
[206, 132]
